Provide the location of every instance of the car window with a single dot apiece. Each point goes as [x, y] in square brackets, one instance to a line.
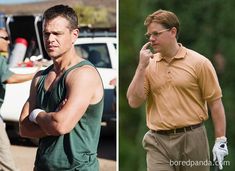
[96, 53]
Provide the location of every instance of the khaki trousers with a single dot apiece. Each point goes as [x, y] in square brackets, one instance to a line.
[186, 151]
[6, 159]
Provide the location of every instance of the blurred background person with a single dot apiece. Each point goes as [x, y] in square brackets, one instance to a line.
[7, 77]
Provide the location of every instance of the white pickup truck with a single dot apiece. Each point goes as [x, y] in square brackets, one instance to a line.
[97, 47]
[102, 53]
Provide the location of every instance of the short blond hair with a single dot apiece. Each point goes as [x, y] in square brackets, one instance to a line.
[166, 18]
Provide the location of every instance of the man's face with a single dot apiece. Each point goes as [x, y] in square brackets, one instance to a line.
[158, 36]
[4, 41]
[58, 38]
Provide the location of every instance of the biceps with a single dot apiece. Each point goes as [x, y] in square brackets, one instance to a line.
[75, 108]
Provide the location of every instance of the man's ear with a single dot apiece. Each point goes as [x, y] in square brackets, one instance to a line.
[174, 31]
[75, 34]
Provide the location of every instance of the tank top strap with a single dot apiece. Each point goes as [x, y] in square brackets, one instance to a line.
[47, 70]
[80, 64]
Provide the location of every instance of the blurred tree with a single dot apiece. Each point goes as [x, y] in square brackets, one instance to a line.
[93, 16]
[206, 27]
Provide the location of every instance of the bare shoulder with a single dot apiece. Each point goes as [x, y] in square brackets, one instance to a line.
[86, 72]
[87, 81]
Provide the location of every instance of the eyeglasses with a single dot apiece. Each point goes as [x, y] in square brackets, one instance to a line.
[5, 38]
[155, 33]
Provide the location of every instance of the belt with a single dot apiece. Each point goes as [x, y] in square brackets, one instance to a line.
[178, 130]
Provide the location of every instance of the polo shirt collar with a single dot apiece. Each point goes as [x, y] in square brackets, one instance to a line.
[180, 54]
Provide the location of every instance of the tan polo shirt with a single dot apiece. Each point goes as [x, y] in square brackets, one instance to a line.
[177, 91]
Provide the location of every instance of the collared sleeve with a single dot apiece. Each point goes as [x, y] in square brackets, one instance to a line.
[208, 81]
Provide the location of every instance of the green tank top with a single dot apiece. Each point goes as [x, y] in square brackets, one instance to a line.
[76, 150]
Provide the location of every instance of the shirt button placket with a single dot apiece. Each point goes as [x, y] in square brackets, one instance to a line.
[169, 73]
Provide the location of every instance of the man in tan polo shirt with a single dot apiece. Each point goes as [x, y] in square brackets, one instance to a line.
[177, 84]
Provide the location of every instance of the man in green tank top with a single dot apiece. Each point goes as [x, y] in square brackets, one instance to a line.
[65, 104]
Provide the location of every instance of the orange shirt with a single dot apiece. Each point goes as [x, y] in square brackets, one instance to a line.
[177, 92]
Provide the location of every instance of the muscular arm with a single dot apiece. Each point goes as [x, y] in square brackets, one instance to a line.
[84, 87]
[136, 92]
[218, 117]
[28, 128]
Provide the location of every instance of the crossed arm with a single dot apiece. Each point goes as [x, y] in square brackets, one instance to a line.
[81, 87]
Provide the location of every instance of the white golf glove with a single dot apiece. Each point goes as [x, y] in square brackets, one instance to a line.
[220, 150]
